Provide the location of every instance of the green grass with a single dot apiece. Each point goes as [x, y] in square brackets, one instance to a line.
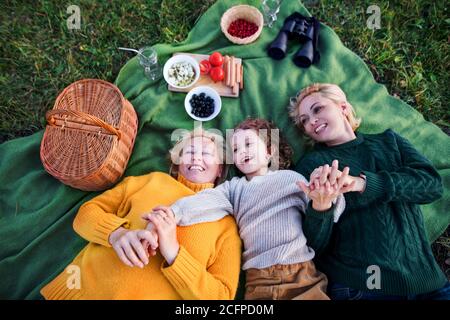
[409, 54]
[39, 56]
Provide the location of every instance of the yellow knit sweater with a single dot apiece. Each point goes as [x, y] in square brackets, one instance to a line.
[207, 265]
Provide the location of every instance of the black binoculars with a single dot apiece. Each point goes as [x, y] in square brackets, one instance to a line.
[303, 29]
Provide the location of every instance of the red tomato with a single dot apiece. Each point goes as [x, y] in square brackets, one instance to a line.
[205, 66]
[216, 59]
[217, 74]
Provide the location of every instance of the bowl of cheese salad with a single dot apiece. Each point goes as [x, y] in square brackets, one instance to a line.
[181, 71]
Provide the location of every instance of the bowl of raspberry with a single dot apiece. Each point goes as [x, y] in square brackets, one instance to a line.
[242, 24]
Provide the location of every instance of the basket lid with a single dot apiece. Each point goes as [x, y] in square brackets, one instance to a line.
[99, 98]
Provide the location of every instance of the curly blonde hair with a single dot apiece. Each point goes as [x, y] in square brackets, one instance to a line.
[326, 90]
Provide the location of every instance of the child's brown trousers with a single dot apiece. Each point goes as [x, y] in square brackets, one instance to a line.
[300, 281]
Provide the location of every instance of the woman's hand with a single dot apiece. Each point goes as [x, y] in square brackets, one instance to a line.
[149, 248]
[129, 246]
[327, 184]
[326, 173]
[164, 223]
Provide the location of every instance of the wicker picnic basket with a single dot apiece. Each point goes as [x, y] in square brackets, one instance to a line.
[89, 136]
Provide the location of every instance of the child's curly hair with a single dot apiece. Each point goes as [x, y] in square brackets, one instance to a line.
[282, 150]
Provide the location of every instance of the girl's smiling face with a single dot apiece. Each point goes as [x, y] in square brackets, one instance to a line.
[325, 121]
[250, 154]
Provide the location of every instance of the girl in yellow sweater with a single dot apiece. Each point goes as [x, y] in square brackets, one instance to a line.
[196, 262]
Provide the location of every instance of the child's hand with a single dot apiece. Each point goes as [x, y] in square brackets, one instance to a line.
[164, 223]
[167, 210]
[334, 176]
[322, 197]
[323, 194]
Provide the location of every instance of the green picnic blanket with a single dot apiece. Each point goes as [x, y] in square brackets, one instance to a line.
[37, 211]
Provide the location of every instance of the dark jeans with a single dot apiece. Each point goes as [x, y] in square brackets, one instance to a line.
[341, 292]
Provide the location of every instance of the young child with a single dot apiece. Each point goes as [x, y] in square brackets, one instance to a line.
[267, 205]
[379, 248]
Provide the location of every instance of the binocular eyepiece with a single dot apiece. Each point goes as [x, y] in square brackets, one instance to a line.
[303, 29]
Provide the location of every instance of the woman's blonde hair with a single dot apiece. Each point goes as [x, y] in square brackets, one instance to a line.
[326, 90]
[176, 152]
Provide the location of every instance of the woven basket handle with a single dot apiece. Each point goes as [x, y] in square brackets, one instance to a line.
[89, 118]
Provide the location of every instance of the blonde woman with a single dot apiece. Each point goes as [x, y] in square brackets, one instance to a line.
[196, 262]
[379, 248]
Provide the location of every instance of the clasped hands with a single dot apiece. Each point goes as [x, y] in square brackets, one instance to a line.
[327, 183]
[135, 247]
